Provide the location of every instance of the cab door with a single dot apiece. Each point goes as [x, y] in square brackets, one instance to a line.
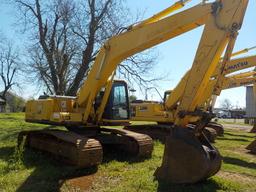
[117, 107]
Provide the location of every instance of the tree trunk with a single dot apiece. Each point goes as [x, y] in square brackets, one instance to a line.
[87, 54]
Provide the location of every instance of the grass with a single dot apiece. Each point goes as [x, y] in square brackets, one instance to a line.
[32, 171]
[233, 121]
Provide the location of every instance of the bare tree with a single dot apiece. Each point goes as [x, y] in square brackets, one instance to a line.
[9, 60]
[138, 69]
[226, 104]
[66, 37]
[52, 49]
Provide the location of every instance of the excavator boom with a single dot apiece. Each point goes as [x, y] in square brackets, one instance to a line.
[133, 41]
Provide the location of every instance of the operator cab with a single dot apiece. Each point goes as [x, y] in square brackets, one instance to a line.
[117, 107]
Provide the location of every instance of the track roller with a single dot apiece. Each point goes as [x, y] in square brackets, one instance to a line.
[187, 159]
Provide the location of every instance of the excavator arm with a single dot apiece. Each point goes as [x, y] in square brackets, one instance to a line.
[232, 66]
[232, 81]
[238, 64]
[243, 79]
[229, 80]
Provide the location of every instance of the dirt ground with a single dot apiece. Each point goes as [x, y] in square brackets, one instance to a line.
[84, 183]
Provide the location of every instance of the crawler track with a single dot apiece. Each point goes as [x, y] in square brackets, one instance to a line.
[66, 146]
[138, 144]
[85, 149]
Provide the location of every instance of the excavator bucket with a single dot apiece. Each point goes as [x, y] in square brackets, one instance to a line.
[187, 158]
[252, 147]
[253, 130]
[218, 128]
[210, 133]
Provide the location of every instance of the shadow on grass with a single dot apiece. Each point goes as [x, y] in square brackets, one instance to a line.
[6, 152]
[233, 139]
[8, 118]
[237, 135]
[48, 173]
[239, 162]
[10, 136]
[204, 186]
[113, 153]
[49, 178]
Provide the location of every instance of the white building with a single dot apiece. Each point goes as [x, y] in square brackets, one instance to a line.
[250, 103]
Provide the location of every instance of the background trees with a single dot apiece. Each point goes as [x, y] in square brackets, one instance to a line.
[65, 36]
[226, 104]
[10, 64]
[9, 67]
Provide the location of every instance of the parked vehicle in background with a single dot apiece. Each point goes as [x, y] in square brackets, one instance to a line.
[224, 114]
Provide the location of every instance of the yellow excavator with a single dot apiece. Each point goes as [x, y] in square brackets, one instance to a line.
[188, 156]
[159, 112]
[145, 110]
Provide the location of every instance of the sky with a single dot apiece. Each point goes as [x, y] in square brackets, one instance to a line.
[175, 56]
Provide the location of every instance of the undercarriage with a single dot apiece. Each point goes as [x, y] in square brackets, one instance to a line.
[84, 148]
